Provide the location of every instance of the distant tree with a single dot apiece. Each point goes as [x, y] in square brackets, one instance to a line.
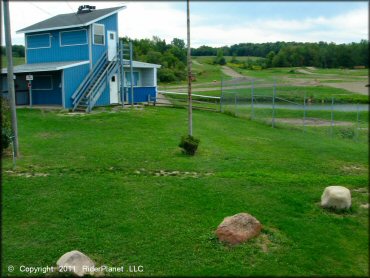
[220, 59]
[153, 57]
[179, 43]
[270, 56]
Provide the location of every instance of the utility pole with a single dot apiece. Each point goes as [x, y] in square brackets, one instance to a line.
[11, 92]
[190, 109]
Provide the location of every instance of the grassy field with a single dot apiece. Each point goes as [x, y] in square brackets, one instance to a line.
[16, 61]
[319, 85]
[316, 94]
[95, 183]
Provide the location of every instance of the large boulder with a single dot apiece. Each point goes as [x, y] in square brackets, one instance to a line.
[77, 263]
[336, 197]
[238, 228]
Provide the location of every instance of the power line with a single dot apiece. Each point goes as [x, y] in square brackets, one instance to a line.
[73, 12]
[67, 23]
[40, 8]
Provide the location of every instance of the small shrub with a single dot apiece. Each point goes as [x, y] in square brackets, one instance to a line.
[189, 144]
[5, 139]
[5, 124]
[230, 113]
[347, 133]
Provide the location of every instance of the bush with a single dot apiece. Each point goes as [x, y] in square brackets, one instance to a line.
[189, 144]
[219, 61]
[346, 133]
[5, 124]
[166, 75]
[5, 139]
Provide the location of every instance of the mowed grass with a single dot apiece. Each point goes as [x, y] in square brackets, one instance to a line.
[16, 61]
[102, 196]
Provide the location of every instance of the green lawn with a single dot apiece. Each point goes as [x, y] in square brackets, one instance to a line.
[16, 61]
[103, 195]
[263, 93]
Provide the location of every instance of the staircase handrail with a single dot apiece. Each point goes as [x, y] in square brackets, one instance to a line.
[77, 94]
[114, 62]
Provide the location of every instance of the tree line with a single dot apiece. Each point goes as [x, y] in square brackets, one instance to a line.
[296, 54]
[18, 50]
[171, 56]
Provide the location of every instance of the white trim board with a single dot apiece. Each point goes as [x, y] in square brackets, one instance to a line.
[93, 34]
[35, 35]
[76, 30]
[73, 65]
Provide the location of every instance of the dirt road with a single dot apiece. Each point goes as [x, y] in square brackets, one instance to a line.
[354, 87]
[230, 72]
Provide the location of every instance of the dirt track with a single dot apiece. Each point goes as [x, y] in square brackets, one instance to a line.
[230, 72]
[354, 87]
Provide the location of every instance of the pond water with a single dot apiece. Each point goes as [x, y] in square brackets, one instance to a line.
[317, 107]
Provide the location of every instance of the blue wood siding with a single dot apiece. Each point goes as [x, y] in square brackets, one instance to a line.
[141, 94]
[51, 95]
[75, 37]
[110, 25]
[72, 79]
[104, 99]
[57, 53]
[38, 41]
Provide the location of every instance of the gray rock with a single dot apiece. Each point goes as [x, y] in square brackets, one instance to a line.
[238, 228]
[77, 262]
[336, 197]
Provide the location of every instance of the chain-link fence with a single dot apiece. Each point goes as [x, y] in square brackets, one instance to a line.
[291, 107]
[279, 105]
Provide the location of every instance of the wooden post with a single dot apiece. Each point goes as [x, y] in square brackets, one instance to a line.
[190, 112]
[11, 90]
[132, 76]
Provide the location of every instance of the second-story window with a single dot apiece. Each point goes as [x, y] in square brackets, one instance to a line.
[99, 34]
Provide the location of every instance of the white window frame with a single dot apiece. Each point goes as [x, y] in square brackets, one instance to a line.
[35, 36]
[64, 45]
[48, 89]
[138, 78]
[93, 34]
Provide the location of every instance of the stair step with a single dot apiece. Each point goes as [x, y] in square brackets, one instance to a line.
[80, 110]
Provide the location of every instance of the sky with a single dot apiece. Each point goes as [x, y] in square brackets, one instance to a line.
[217, 23]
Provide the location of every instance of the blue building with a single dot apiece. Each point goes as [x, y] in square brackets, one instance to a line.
[74, 61]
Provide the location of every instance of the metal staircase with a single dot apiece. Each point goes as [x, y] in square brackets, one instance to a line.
[97, 80]
[127, 59]
[94, 84]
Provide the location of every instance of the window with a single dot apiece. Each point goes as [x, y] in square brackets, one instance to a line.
[111, 36]
[128, 78]
[99, 34]
[75, 37]
[38, 41]
[42, 82]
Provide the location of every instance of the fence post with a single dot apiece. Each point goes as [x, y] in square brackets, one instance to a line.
[222, 93]
[358, 122]
[252, 100]
[304, 112]
[273, 104]
[13, 152]
[332, 117]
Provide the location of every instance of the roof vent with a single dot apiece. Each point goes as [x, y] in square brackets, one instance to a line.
[85, 9]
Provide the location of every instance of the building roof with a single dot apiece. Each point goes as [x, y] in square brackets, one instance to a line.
[29, 68]
[71, 20]
[137, 64]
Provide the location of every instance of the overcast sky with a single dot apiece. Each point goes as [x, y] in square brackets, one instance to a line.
[217, 23]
